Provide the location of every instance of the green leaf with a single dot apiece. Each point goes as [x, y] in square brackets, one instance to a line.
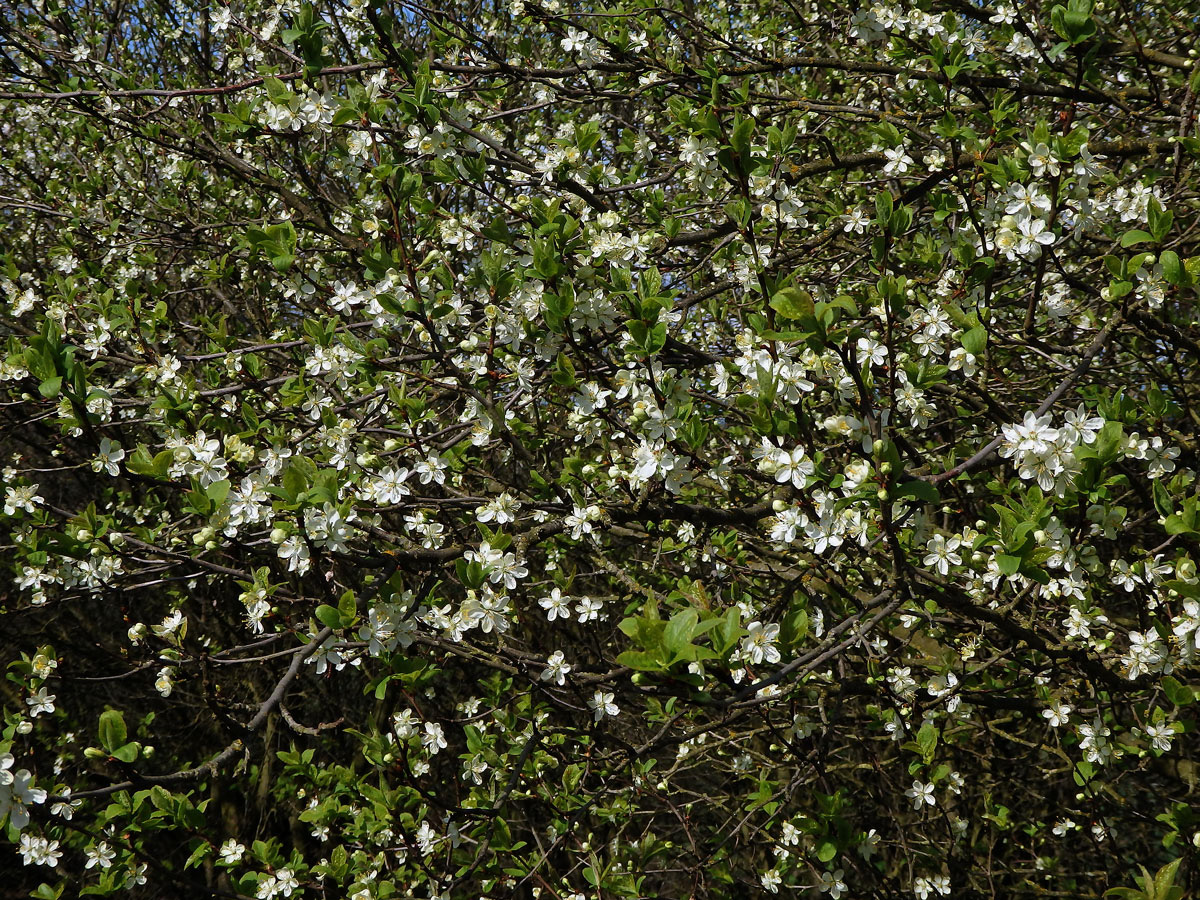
[656, 338]
[918, 490]
[381, 687]
[1159, 219]
[792, 303]
[1172, 268]
[329, 616]
[884, 206]
[202, 852]
[900, 220]
[728, 632]
[1008, 565]
[743, 131]
[1118, 289]
[1178, 523]
[294, 481]
[1129, 238]
[975, 340]
[1108, 442]
[347, 607]
[50, 387]
[642, 660]
[112, 729]
[1164, 880]
[277, 90]
[1162, 498]
[217, 492]
[678, 633]
[1073, 23]
[564, 371]
[927, 739]
[128, 752]
[794, 627]
[826, 851]
[1178, 693]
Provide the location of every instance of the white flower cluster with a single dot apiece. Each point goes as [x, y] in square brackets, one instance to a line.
[1044, 453]
[199, 457]
[387, 628]
[874, 22]
[17, 793]
[780, 201]
[1094, 742]
[927, 886]
[700, 156]
[588, 49]
[281, 884]
[309, 110]
[1186, 628]
[21, 496]
[247, 504]
[788, 367]
[39, 851]
[830, 527]
[1147, 653]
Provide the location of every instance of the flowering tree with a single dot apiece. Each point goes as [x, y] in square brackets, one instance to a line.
[599, 451]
